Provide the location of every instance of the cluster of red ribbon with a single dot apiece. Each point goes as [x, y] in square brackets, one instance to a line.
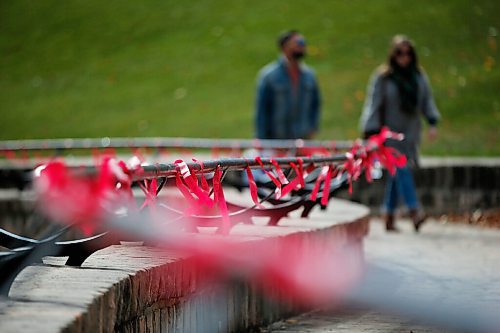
[389, 157]
[84, 200]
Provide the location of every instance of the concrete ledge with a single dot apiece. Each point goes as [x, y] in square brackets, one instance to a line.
[131, 288]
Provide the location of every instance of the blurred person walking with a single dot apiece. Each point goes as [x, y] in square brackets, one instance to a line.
[398, 95]
[288, 98]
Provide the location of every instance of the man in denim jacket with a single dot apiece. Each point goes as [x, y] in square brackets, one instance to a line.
[288, 100]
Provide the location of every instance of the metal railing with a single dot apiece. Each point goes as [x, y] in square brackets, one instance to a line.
[166, 142]
[30, 250]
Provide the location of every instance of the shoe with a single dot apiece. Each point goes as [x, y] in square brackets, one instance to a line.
[418, 219]
[392, 229]
[389, 223]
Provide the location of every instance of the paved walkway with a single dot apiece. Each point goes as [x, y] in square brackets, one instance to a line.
[448, 275]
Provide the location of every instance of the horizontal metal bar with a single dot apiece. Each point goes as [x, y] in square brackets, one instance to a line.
[170, 170]
[165, 142]
[149, 171]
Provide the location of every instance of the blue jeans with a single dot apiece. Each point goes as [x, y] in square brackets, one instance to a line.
[401, 184]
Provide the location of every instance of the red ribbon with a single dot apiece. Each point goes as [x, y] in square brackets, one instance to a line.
[389, 157]
[203, 180]
[367, 162]
[298, 181]
[310, 151]
[185, 191]
[350, 169]
[319, 180]
[253, 188]
[69, 198]
[299, 171]
[215, 152]
[149, 188]
[271, 176]
[220, 200]
[326, 187]
[192, 183]
[281, 175]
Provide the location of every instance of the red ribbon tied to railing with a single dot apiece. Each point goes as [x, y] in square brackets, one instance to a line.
[276, 182]
[220, 200]
[253, 188]
[191, 181]
[298, 182]
[389, 157]
[149, 188]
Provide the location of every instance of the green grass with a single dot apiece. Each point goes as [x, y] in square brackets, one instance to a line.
[187, 68]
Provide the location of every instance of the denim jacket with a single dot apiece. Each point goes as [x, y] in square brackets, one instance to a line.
[282, 113]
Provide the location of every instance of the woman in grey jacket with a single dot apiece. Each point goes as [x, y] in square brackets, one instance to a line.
[398, 95]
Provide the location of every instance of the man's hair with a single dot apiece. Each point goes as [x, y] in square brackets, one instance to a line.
[285, 37]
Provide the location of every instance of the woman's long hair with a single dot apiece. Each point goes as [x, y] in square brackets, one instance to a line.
[391, 64]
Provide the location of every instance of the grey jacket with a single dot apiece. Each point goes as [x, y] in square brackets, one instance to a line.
[383, 93]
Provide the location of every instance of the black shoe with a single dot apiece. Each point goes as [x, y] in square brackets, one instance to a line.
[392, 229]
[389, 223]
[418, 219]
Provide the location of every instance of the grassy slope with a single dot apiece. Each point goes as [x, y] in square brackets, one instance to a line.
[187, 68]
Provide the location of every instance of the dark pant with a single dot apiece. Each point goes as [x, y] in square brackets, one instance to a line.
[400, 185]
